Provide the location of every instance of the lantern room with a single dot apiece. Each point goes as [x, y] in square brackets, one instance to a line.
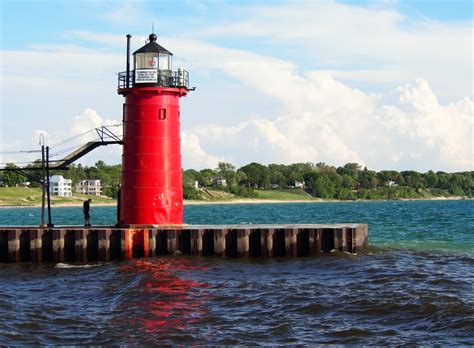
[152, 67]
[152, 56]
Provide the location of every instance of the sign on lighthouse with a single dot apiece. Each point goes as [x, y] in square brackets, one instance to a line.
[151, 189]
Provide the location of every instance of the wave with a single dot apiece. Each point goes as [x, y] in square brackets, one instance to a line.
[89, 265]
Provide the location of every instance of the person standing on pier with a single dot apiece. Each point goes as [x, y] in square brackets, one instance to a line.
[86, 209]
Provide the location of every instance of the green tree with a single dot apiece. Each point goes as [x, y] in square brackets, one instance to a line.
[257, 175]
[412, 179]
[276, 174]
[227, 171]
[76, 173]
[350, 169]
[296, 172]
[189, 190]
[12, 178]
[431, 179]
[205, 177]
[323, 185]
[368, 179]
[324, 168]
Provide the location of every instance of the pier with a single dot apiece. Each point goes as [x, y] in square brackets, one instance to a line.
[106, 243]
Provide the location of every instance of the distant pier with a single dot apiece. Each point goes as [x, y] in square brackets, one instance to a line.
[105, 243]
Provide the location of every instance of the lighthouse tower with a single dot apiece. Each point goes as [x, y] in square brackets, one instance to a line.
[151, 189]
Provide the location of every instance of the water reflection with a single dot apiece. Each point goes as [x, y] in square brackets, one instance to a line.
[169, 301]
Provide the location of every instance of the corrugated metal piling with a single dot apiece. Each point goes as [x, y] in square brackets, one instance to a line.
[103, 243]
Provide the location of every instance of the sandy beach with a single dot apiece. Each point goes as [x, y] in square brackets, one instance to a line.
[253, 201]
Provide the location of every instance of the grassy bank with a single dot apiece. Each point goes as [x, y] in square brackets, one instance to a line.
[21, 196]
[285, 195]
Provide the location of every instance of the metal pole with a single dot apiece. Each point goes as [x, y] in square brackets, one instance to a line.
[43, 183]
[50, 224]
[128, 61]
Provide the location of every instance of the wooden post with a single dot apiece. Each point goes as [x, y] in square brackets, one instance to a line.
[126, 244]
[36, 245]
[243, 242]
[152, 241]
[58, 245]
[338, 245]
[314, 244]
[290, 242]
[361, 240]
[219, 242]
[268, 236]
[344, 239]
[14, 246]
[103, 237]
[264, 242]
[172, 241]
[146, 242]
[81, 244]
[196, 242]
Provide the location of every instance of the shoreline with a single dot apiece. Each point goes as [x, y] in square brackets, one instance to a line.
[257, 201]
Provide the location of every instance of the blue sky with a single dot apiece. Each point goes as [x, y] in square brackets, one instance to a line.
[384, 83]
[45, 21]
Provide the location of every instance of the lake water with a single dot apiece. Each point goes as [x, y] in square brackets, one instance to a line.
[414, 284]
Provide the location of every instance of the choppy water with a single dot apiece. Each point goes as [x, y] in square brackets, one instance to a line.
[414, 286]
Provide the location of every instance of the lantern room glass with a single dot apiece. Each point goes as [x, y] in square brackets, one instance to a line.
[164, 61]
[148, 60]
[153, 60]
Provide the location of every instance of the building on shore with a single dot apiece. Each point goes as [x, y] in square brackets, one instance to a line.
[218, 182]
[89, 187]
[59, 186]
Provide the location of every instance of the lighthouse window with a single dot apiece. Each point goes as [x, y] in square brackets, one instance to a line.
[148, 60]
[164, 61]
[162, 114]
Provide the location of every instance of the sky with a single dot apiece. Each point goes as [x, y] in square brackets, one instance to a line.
[387, 84]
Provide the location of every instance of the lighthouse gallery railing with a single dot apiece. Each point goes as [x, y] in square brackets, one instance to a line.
[166, 78]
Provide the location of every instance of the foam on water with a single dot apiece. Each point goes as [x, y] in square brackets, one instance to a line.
[67, 265]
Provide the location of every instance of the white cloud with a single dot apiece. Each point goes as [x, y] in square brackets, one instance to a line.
[323, 119]
[322, 51]
[378, 41]
[87, 121]
[193, 154]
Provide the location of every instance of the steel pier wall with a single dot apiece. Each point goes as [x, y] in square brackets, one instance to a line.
[103, 243]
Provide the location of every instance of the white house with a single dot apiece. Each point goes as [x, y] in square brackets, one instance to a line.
[299, 184]
[59, 186]
[89, 187]
[218, 182]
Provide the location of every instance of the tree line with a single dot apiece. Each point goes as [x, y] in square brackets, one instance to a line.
[348, 182]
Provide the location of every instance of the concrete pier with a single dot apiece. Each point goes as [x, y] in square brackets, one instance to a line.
[102, 243]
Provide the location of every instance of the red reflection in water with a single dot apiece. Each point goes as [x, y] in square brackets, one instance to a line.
[168, 302]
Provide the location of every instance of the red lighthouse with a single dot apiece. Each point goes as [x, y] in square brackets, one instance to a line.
[151, 192]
